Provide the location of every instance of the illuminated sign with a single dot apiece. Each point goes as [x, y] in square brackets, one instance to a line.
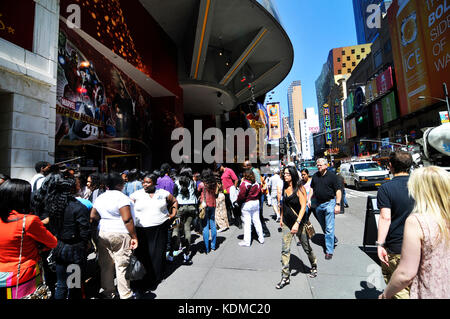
[327, 122]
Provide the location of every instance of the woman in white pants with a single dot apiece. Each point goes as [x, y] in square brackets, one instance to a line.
[249, 193]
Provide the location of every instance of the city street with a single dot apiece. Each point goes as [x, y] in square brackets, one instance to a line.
[234, 272]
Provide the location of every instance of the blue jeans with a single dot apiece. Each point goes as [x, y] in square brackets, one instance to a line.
[345, 198]
[325, 217]
[209, 222]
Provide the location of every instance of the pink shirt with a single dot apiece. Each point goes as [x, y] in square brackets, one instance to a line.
[228, 178]
[207, 196]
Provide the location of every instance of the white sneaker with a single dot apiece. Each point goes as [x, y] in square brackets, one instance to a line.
[243, 244]
[222, 229]
[277, 220]
[261, 241]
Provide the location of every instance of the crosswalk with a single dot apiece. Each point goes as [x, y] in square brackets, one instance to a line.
[351, 193]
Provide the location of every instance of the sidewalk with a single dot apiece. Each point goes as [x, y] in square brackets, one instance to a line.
[234, 272]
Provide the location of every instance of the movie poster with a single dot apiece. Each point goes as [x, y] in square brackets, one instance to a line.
[96, 101]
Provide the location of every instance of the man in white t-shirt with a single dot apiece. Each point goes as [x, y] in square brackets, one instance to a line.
[117, 236]
[42, 170]
[276, 189]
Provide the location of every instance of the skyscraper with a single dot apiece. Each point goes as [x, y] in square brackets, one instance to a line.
[296, 113]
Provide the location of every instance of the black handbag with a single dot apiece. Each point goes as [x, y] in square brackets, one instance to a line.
[135, 269]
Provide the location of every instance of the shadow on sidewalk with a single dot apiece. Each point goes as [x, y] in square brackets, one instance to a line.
[368, 291]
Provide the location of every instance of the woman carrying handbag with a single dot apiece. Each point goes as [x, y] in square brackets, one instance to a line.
[21, 237]
[292, 223]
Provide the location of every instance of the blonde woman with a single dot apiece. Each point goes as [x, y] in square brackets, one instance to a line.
[425, 262]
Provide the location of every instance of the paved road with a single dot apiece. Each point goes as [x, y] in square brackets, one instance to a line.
[234, 272]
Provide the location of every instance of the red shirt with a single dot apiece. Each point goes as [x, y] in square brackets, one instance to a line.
[254, 192]
[228, 178]
[210, 196]
[10, 237]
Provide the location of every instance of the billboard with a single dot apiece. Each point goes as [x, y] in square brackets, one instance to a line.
[384, 81]
[377, 112]
[273, 110]
[389, 109]
[353, 132]
[421, 49]
[371, 90]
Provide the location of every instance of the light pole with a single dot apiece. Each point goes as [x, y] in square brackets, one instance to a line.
[444, 86]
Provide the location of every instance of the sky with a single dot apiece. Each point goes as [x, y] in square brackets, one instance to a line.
[314, 27]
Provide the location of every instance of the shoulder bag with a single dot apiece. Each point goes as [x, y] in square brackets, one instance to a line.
[309, 228]
[42, 291]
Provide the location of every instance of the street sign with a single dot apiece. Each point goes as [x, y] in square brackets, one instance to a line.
[371, 222]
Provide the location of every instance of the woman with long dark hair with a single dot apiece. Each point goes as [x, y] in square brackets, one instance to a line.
[185, 191]
[208, 189]
[155, 210]
[69, 222]
[14, 216]
[293, 223]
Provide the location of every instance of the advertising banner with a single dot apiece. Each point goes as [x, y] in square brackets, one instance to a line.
[421, 50]
[371, 90]
[389, 109]
[384, 81]
[348, 128]
[274, 121]
[353, 132]
[377, 112]
[444, 117]
[95, 100]
[350, 103]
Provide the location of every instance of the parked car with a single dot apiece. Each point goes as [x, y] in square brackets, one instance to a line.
[364, 174]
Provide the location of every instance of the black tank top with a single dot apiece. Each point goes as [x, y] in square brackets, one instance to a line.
[291, 201]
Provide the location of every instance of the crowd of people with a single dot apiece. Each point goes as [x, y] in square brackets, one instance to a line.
[60, 218]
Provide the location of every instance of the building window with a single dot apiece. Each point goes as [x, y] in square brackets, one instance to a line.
[387, 47]
[339, 71]
[339, 59]
[348, 58]
[363, 50]
[378, 58]
[343, 52]
[358, 57]
[353, 63]
[353, 51]
[349, 70]
[344, 65]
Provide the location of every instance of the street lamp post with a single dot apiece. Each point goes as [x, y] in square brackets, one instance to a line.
[446, 100]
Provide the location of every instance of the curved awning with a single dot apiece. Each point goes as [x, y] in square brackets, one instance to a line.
[226, 50]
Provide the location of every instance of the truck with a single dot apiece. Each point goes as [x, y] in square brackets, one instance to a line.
[435, 148]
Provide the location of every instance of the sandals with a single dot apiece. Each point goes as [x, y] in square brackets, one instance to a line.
[282, 283]
[313, 272]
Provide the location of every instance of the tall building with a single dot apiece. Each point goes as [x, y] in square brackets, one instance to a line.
[340, 64]
[366, 17]
[309, 126]
[296, 113]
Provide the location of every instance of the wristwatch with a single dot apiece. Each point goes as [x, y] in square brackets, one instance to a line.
[298, 222]
[338, 204]
[379, 244]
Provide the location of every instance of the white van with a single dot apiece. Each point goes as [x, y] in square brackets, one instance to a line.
[364, 174]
